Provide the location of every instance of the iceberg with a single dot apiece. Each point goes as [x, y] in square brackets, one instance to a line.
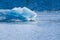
[17, 14]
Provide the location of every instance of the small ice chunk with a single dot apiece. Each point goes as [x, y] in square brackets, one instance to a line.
[18, 13]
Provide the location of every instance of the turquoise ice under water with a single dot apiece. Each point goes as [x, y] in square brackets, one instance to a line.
[47, 27]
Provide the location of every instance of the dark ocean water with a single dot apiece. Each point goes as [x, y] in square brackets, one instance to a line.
[38, 5]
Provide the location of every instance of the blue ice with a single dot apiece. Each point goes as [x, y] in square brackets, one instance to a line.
[17, 14]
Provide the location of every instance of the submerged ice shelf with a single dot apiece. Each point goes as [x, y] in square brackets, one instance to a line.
[17, 14]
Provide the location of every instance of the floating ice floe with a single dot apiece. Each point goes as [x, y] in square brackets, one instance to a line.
[17, 14]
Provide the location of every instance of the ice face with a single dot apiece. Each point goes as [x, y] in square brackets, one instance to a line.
[29, 14]
[21, 14]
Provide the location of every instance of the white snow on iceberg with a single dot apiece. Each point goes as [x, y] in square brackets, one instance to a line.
[17, 14]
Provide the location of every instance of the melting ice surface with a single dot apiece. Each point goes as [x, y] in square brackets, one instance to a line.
[17, 14]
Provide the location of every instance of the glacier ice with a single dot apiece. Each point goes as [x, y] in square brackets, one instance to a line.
[17, 14]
